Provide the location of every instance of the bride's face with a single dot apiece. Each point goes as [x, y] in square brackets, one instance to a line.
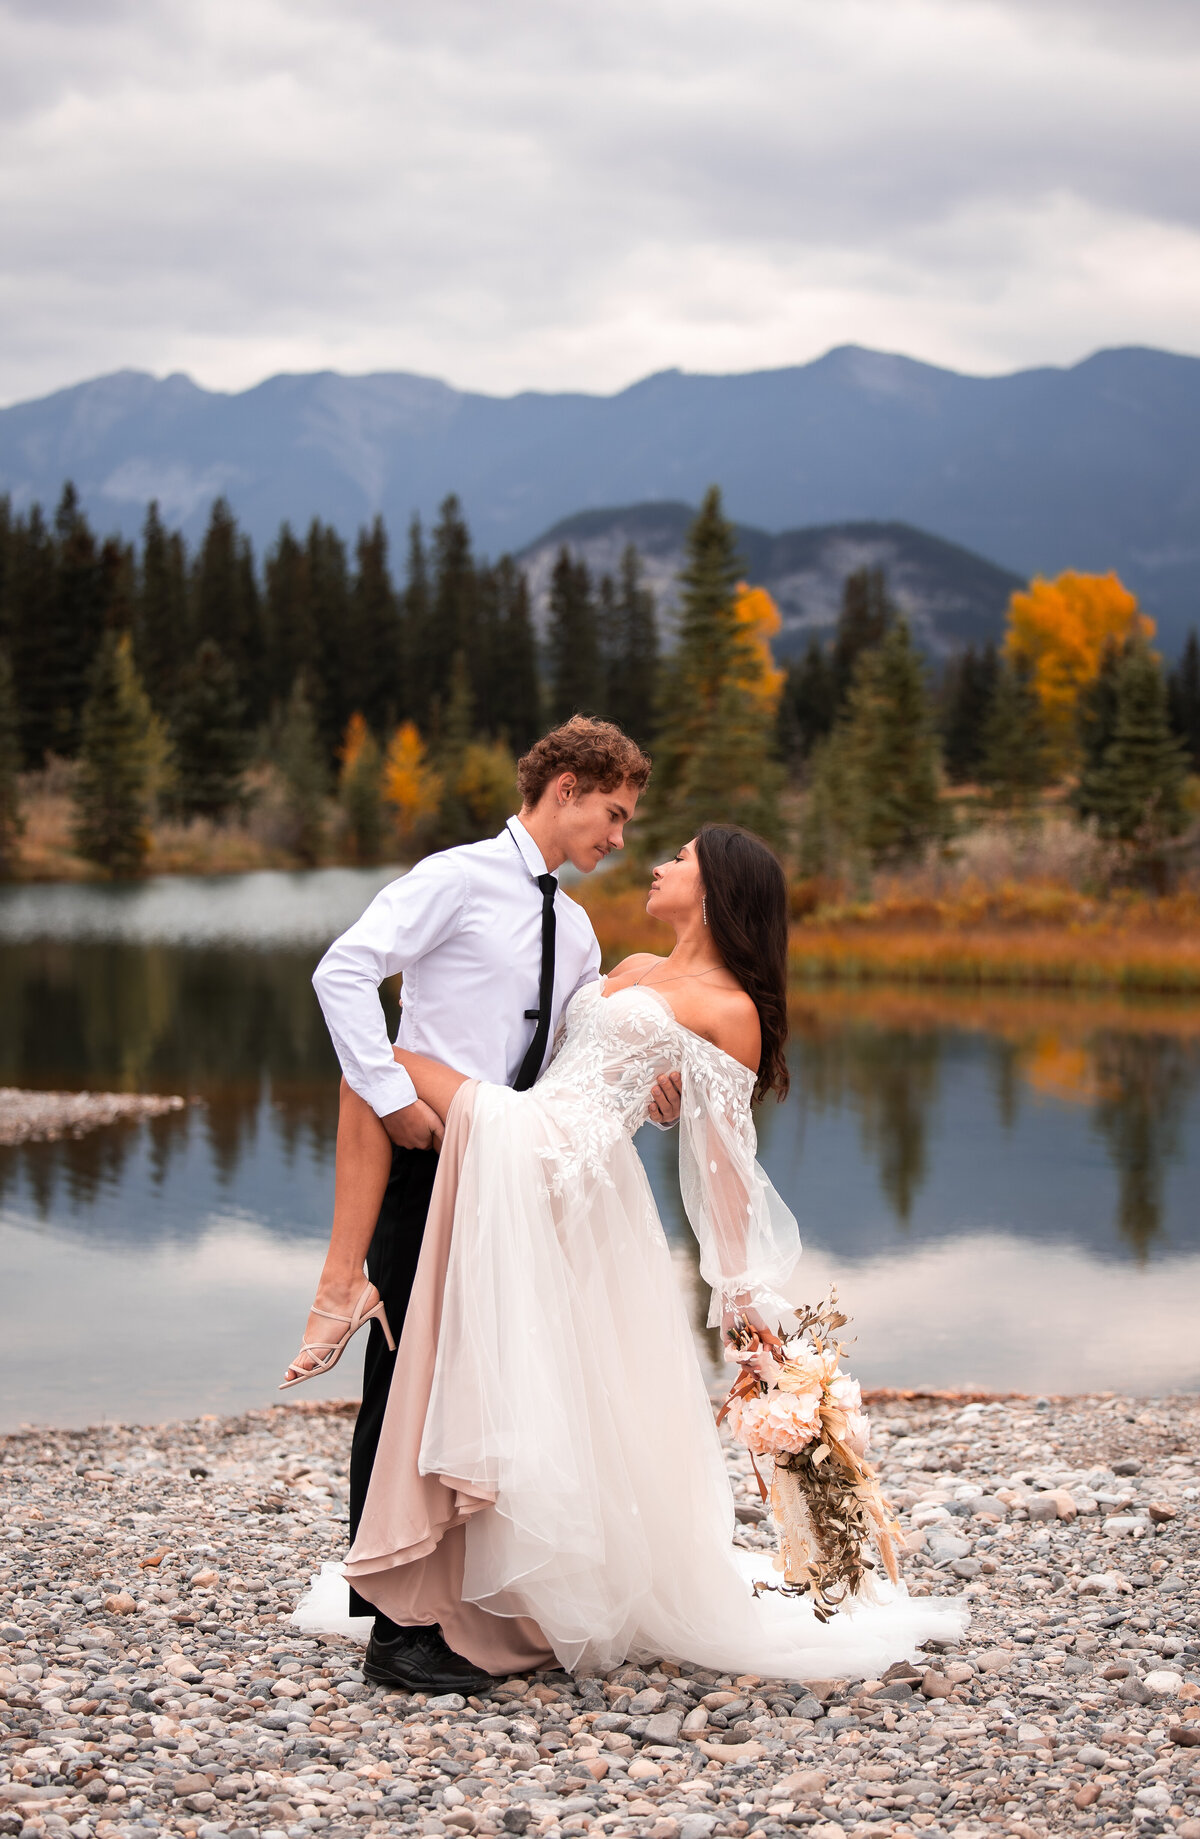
[676, 888]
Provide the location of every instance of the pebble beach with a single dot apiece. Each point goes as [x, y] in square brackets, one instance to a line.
[152, 1679]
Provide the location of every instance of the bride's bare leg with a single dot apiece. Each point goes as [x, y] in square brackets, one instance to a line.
[362, 1165]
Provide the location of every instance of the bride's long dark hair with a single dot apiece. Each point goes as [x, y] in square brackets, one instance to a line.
[746, 897]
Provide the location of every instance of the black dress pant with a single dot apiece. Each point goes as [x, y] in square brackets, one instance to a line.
[391, 1266]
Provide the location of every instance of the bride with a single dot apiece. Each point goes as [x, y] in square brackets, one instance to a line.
[549, 1481]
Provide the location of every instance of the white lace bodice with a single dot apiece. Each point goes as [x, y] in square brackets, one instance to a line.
[597, 1091]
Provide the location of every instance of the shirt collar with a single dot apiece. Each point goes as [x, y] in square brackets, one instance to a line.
[531, 855]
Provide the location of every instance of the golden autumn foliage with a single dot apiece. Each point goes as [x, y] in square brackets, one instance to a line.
[353, 741]
[1058, 631]
[758, 622]
[410, 785]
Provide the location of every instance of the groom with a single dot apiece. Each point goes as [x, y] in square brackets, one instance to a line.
[491, 952]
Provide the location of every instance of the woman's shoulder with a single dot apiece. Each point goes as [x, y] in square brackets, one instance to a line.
[729, 1021]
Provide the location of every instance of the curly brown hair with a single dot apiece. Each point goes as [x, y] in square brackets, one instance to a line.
[598, 753]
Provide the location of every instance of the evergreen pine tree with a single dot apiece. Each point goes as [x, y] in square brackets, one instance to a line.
[360, 790]
[227, 606]
[573, 641]
[117, 760]
[1096, 723]
[865, 615]
[374, 664]
[208, 733]
[806, 706]
[712, 705]
[629, 643]
[301, 758]
[328, 589]
[416, 625]
[895, 750]
[1015, 757]
[451, 628]
[161, 633]
[78, 616]
[518, 695]
[478, 778]
[30, 591]
[1136, 790]
[967, 691]
[291, 639]
[12, 823]
[1184, 689]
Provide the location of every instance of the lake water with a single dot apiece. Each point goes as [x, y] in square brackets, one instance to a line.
[1003, 1188]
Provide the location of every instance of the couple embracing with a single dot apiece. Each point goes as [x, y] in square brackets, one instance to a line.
[536, 1475]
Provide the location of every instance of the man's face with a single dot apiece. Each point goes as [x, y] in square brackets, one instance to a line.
[592, 824]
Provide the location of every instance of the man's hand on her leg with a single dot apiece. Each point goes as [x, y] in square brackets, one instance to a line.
[416, 1126]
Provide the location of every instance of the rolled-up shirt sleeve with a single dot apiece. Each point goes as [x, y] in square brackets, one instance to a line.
[407, 919]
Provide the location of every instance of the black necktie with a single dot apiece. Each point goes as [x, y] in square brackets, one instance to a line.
[532, 1063]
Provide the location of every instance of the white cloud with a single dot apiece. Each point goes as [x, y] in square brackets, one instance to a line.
[552, 196]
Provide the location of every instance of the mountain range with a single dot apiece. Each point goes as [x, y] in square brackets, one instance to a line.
[1093, 466]
[950, 597]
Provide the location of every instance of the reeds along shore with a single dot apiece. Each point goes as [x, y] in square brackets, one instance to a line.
[1041, 936]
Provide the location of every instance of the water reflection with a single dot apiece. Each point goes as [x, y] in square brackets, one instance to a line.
[949, 1159]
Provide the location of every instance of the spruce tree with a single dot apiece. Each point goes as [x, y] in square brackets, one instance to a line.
[374, 663]
[328, 589]
[865, 615]
[710, 708]
[807, 705]
[301, 759]
[518, 691]
[227, 606]
[77, 616]
[30, 590]
[12, 822]
[1184, 689]
[573, 641]
[117, 760]
[416, 623]
[360, 790]
[451, 627]
[895, 750]
[966, 697]
[1137, 789]
[629, 643]
[1015, 758]
[1096, 725]
[208, 732]
[162, 641]
[291, 638]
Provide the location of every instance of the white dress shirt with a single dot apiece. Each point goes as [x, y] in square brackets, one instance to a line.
[465, 928]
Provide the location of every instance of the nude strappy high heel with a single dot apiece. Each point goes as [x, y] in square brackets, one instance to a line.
[326, 1354]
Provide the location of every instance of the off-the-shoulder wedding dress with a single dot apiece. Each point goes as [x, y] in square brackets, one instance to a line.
[550, 1479]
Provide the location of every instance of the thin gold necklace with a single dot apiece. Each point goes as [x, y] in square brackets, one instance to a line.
[681, 978]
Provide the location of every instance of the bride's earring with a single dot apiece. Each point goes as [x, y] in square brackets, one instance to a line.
[704, 908]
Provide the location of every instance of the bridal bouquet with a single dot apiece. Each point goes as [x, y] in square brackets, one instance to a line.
[792, 1402]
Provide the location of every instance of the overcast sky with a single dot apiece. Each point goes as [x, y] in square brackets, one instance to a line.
[562, 194]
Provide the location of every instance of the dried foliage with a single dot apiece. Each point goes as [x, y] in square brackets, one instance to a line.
[792, 1402]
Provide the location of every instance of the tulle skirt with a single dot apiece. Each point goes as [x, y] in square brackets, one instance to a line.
[550, 1479]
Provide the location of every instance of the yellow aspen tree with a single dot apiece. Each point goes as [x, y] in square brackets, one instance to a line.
[758, 622]
[410, 785]
[1058, 631]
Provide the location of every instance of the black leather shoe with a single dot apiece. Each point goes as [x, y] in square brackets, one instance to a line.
[421, 1662]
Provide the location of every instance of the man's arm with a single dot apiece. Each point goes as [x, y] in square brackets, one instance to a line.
[406, 920]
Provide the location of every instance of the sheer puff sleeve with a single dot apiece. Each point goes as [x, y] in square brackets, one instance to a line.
[749, 1241]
